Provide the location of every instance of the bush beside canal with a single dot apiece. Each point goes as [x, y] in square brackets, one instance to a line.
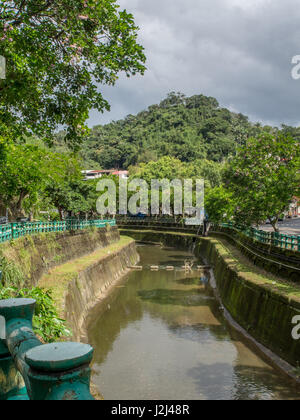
[46, 322]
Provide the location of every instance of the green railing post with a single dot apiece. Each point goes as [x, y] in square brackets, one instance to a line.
[273, 238]
[54, 371]
[11, 383]
[60, 371]
[17, 230]
[20, 338]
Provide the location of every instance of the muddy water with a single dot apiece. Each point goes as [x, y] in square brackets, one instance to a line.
[162, 335]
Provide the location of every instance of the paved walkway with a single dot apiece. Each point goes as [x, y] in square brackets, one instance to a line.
[289, 227]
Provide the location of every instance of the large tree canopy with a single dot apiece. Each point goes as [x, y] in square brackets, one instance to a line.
[27, 170]
[263, 177]
[57, 54]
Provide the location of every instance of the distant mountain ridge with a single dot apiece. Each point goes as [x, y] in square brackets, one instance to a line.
[188, 128]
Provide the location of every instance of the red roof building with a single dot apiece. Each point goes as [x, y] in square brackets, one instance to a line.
[96, 174]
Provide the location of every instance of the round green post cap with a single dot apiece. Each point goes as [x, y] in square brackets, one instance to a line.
[16, 303]
[57, 357]
[17, 308]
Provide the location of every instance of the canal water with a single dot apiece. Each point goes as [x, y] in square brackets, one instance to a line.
[162, 335]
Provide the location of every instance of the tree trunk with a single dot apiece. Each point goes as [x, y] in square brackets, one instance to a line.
[275, 225]
[61, 214]
[16, 207]
[20, 201]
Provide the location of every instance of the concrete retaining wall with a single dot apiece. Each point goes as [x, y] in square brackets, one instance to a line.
[265, 313]
[35, 255]
[92, 283]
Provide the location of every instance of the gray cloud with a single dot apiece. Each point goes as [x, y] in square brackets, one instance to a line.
[238, 51]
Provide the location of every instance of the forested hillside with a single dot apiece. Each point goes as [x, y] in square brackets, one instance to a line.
[186, 128]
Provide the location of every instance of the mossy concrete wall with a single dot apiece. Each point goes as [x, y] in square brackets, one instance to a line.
[282, 262]
[92, 283]
[276, 260]
[173, 239]
[263, 307]
[35, 255]
[77, 266]
[263, 311]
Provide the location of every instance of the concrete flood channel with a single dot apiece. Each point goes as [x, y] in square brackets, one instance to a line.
[163, 335]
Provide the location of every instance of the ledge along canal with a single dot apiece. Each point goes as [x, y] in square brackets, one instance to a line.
[162, 335]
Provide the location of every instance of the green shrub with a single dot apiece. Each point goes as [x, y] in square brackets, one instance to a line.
[46, 322]
[12, 276]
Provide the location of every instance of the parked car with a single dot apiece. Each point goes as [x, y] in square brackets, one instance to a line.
[139, 215]
[280, 219]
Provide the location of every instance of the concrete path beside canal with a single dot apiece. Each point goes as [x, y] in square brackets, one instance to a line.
[288, 227]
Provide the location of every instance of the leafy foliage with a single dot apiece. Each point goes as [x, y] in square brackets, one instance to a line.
[219, 204]
[188, 129]
[12, 276]
[46, 322]
[73, 195]
[172, 168]
[57, 53]
[263, 177]
[25, 172]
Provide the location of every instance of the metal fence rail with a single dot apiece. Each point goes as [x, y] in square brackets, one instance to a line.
[277, 239]
[17, 230]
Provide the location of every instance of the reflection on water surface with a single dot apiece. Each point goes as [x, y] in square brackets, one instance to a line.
[163, 336]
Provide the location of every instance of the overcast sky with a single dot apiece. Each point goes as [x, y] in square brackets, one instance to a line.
[238, 51]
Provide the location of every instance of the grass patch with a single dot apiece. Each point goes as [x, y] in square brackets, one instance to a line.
[245, 268]
[12, 275]
[58, 279]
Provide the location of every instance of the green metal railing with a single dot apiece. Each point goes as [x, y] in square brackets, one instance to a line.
[35, 371]
[277, 239]
[146, 220]
[271, 238]
[17, 230]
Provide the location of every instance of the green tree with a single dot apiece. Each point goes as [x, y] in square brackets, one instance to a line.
[219, 204]
[188, 129]
[57, 53]
[263, 177]
[26, 170]
[72, 195]
[165, 168]
[210, 171]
